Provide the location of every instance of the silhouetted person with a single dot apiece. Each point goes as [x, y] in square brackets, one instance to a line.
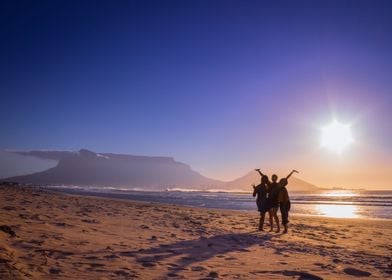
[284, 200]
[272, 203]
[261, 191]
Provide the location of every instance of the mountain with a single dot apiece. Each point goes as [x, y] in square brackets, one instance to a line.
[252, 177]
[94, 169]
[87, 168]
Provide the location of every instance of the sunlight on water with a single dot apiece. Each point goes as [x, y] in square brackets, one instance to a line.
[339, 193]
[337, 211]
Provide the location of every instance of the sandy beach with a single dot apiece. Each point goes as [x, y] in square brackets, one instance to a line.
[48, 235]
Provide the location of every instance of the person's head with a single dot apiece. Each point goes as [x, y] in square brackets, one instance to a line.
[264, 179]
[274, 178]
[283, 182]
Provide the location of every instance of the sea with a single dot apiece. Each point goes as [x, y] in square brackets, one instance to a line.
[329, 203]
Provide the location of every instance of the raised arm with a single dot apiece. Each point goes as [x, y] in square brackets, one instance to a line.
[258, 170]
[291, 173]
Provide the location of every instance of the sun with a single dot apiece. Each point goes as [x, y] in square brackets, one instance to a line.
[336, 136]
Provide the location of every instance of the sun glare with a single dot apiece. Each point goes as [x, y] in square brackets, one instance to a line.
[340, 193]
[338, 211]
[336, 136]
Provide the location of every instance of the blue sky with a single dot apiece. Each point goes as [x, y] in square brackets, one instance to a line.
[221, 85]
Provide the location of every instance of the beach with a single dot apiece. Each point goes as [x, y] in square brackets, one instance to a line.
[53, 235]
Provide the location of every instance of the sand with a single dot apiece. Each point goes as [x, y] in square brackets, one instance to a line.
[48, 235]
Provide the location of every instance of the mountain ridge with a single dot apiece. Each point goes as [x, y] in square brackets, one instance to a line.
[88, 168]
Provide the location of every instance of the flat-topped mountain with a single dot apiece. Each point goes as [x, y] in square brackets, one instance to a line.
[94, 169]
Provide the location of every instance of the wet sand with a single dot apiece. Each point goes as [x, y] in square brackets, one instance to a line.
[48, 235]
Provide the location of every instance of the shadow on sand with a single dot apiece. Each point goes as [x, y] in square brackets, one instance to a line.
[197, 250]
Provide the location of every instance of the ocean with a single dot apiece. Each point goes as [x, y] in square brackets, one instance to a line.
[328, 203]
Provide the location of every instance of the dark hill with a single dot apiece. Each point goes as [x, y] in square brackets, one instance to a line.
[89, 168]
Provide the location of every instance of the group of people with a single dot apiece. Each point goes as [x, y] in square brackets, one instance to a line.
[272, 195]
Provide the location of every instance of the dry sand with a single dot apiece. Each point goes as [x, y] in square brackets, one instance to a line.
[60, 236]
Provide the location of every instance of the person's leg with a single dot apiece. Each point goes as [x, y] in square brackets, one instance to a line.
[261, 222]
[288, 206]
[276, 218]
[271, 216]
[285, 214]
[285, 221]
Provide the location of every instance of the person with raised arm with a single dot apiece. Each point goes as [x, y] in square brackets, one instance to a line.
[284, 200]
[261, 191]
[272, 204]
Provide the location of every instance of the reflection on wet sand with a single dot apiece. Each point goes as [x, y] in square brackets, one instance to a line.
[337, 211]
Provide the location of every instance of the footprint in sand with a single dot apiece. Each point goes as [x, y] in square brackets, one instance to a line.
[9, 208]
[90, 221]
[8, 230]
[148, 264]
[91, 258]
[213, 274]
[356, 272]
[111, 257]
[36, 242]
[198, 268]
[302, 275]
[62, 225]
[123, 273]
[93, 265]
[54, 270]
[153, 237]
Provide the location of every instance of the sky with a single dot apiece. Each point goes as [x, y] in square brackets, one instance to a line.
[225, 86]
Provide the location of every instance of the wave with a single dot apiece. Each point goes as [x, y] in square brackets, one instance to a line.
[385, 204]
[383, 199]
[368, 208]
[207, 190]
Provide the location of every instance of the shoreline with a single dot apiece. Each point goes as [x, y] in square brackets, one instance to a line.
[157, 199]
[60, 236]
[363, 219]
